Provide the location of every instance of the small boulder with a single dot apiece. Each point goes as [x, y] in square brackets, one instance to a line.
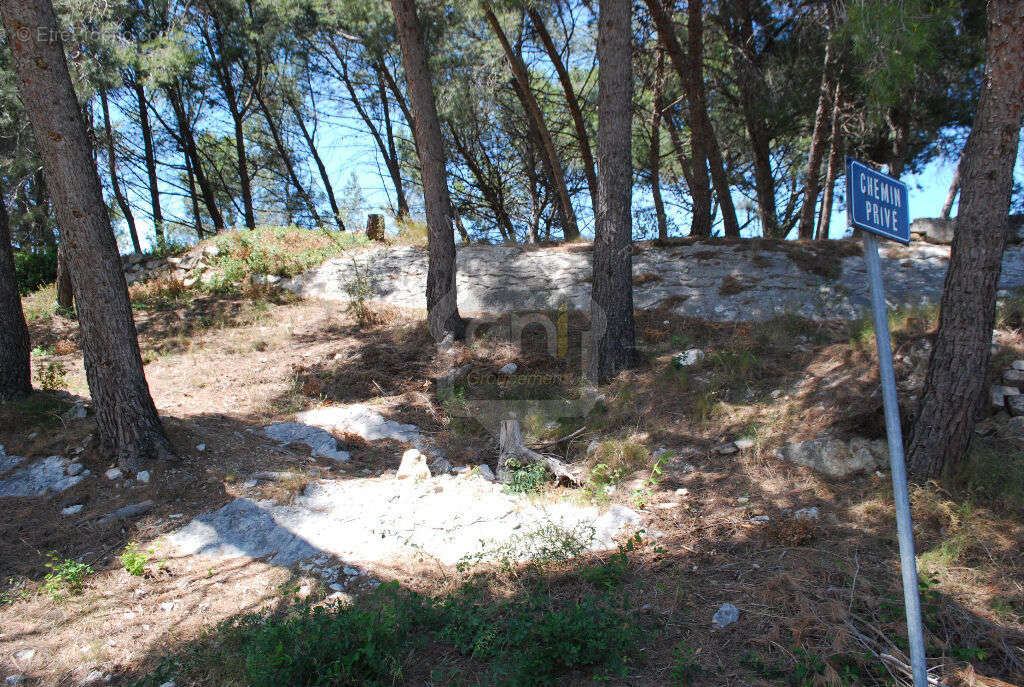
[727, 449]
[1018, 365]
[744, 444]
[414, 465]
[114, 474]
[1001, 393]
[485, 472]
[72, 510]
[726, 615]
[1015, 405]
[687, 358]
[836, 458]
[74, 469]
[143, 476]
[509, 369]
[811, 514]
[441, 466]
[1013, 377]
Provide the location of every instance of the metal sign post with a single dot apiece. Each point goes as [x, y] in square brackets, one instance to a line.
[878, 204]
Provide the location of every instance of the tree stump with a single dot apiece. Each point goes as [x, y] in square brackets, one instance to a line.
[375, 227]
[510, 445]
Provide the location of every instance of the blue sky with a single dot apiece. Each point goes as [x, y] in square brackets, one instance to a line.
[348, 150]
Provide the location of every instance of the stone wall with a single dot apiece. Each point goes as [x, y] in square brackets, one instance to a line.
[715, 280]
[940, 231]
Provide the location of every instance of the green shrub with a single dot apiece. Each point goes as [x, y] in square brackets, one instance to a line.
[66, 575]
[35, 269]
[52, 375]
[133, 560]
[525, 479]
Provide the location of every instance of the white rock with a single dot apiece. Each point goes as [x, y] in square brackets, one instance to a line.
[726, 615]
[414, 466]
[360, 420]
[688, 358]
[811, 514]
[94, 677]
[74, 469]
[201, 447]
[210, 251]
[24, 655]
[683, 491]
[350, 571]
[509, 369]
[760, 519]
[72, 510]
[171, 683]
[1018, 364]
[143, 476]
[114, 474]
[485, 472]
[249, 484]
[999, 394]
[37, 478]
[167, 606]
[744, 444]
[322, 442]
[337, 587]
[727, 449]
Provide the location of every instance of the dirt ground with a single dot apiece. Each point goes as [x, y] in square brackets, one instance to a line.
[815, 596]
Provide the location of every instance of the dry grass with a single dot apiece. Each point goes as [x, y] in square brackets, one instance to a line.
[816, 598]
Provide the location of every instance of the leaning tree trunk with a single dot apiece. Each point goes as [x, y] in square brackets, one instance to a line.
[611, 309]
[954, 189]
[835, 155]
[805, 229]
[654, 158]
[149, 154]
[573, 103]
[549, 155]
[955, 382]
[442, 299]
[122, 202]
[129, 428]
[15, 373]
[697, 179]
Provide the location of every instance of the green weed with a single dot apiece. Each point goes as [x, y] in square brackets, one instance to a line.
[65, 576]
[133, 560]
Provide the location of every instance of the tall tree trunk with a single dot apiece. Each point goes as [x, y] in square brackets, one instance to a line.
[188, 144]
[442, 299]
[954, 387]
[571, 101]
[15, 371]
[150, 157]
[611, 309]
[129, 428]
[835, 159]
[805, 229]
[697, 180]
[321, 167]
[550, 155]
[954, 189]
[487, 190]
[655, 148]
[115, 185]
[286, 157]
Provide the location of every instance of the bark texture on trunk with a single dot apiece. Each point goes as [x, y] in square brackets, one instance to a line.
[65, 288]
[15, 372]
[548, 152]
[129, 428]
[805, 229]
[571, 100]
[954, 388]
[442, 305]
[115, 185]
[611, 310]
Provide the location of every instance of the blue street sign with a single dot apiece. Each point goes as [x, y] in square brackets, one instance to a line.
[877, 203]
